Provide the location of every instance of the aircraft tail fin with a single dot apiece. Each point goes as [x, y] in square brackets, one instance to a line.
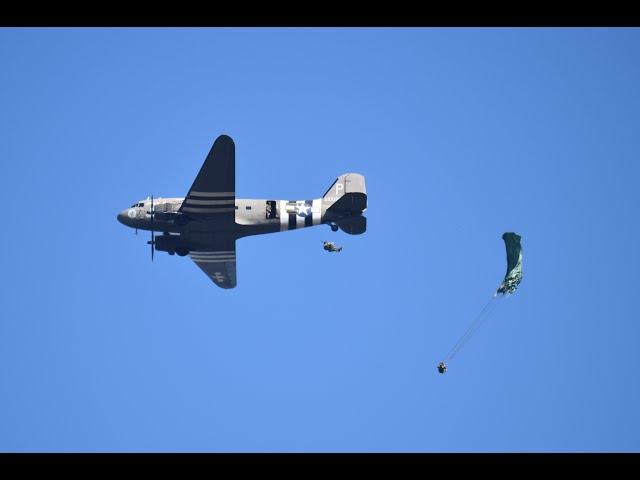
[347, 195]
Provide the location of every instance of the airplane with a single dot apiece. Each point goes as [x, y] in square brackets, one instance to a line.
[207, 222]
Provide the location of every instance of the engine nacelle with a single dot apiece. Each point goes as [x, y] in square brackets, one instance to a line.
[169, 243]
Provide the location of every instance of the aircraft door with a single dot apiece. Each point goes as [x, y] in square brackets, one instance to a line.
[271, 211]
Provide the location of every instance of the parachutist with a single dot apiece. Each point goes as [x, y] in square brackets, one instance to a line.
[509, 285]
[442, 367]
[331, 247]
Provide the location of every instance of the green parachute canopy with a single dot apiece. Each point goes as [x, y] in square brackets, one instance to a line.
[509, 285]
[513, 276]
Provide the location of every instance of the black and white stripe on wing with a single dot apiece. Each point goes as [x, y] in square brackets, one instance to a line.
[209, 202]
[213, 257]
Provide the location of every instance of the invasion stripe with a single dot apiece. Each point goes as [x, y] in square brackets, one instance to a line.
[192, 197]
[208, 210]
[308, 220]
[292, 221]
[220, 259]
[283, 216]
[212, 261]
[299, 220]
[212, 194]
[212, 206]
[225, 259]
[216, 252]
[207, 254]
[316, 210]
[191, 201]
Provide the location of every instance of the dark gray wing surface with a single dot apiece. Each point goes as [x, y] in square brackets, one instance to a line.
[213, 193]
[218, 261]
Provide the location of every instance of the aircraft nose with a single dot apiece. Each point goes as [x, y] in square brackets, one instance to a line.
[122, 217]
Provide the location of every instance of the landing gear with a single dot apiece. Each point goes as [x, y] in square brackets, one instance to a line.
[334, 227]
[182, 251]
[171, 252]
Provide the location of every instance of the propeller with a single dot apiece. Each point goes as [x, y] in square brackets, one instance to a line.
[153, 241]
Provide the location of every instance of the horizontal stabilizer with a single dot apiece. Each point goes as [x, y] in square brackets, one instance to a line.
[353, 225]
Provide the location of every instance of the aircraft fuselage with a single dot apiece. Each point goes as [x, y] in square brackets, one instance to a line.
[252, 216]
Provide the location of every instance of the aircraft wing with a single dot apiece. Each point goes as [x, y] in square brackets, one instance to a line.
[213, 193]
[218, 262]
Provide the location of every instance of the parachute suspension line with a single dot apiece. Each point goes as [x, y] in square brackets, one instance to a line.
[469, 328]
[509, 284]
[476, 326]
[473, 327]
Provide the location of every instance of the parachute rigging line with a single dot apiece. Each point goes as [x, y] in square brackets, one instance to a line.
[466, 332]
[509, 285]
[474, 327]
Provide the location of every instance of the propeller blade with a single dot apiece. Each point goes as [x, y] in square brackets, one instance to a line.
[153, 242]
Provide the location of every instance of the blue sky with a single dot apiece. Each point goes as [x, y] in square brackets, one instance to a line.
[462, 134]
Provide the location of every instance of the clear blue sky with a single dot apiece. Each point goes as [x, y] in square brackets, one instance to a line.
[462, 134]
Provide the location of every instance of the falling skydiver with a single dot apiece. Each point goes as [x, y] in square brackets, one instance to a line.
[331, 247]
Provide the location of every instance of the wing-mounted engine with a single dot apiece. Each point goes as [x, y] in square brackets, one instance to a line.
[171, 244]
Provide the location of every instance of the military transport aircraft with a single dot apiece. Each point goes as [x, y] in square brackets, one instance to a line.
[207, 222]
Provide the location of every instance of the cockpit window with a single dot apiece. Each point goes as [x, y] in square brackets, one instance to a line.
[137, 205]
